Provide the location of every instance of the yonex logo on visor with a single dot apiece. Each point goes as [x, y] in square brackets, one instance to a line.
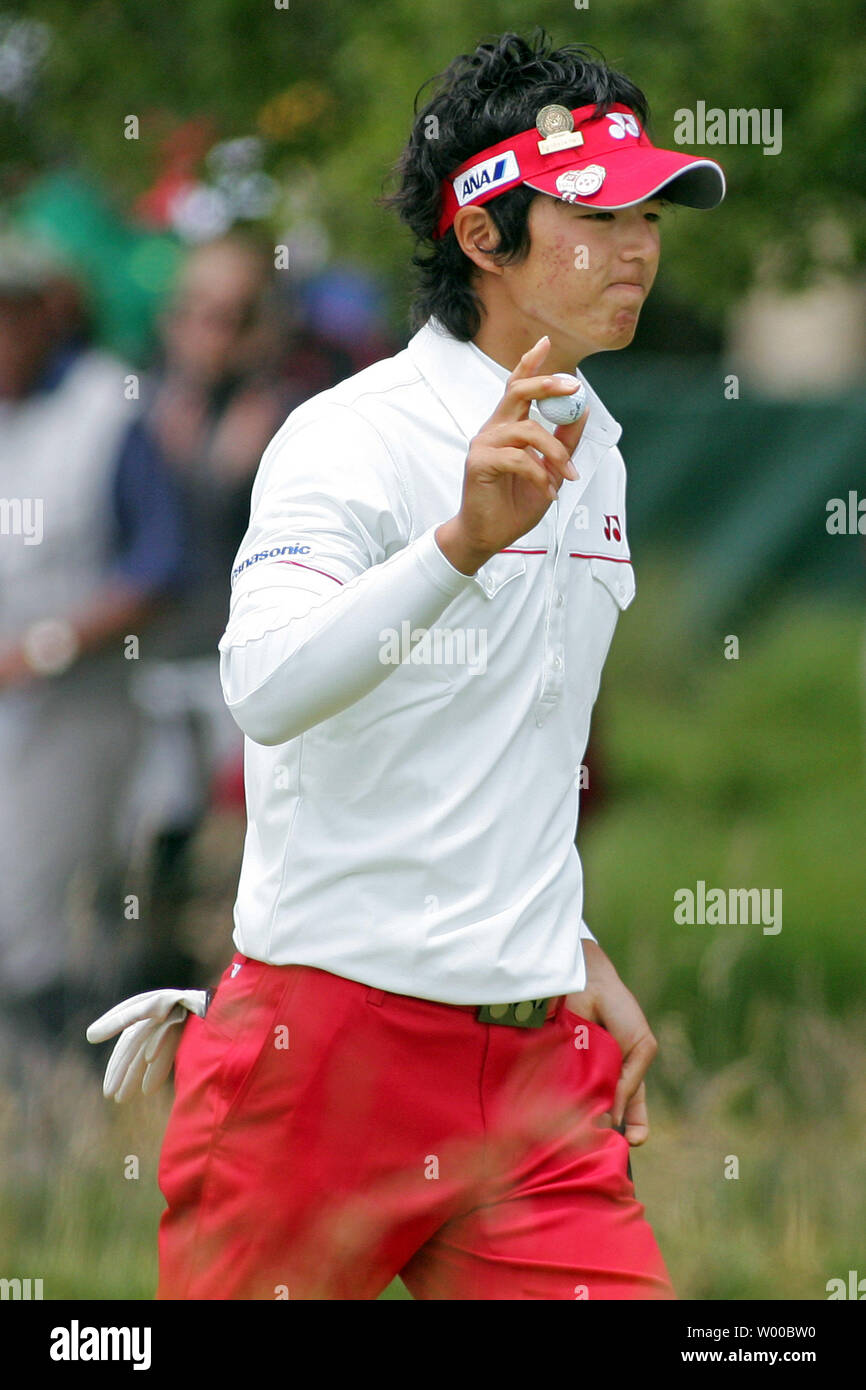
[621, 125]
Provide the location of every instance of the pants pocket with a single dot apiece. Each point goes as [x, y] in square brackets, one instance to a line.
[596, 1034]
[256, 1024]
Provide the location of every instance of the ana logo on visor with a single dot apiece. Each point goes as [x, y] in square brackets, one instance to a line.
[490, 173]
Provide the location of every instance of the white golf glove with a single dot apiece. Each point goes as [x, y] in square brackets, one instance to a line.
[145, 1050]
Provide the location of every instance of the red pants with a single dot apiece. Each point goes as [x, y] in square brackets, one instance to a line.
[326, 1137]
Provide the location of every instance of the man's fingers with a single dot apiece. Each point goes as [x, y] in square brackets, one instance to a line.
[634, 1068]
[530, 434]
[570, 435]
[636, 1121]
[525, 384]
[525, 465]
[525, 372]
[531, 360]
[520, 394]
[636, 1118]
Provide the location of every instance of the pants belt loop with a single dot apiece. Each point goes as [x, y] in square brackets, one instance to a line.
[375, 996]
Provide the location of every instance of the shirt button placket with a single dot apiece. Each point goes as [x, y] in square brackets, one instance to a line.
[554, 632]
[557, 621]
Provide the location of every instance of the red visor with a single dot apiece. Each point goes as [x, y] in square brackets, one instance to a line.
[614, 165]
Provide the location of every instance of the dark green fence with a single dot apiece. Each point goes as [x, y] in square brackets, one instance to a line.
[735, 491]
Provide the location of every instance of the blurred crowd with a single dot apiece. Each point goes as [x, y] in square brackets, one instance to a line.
[124, 495]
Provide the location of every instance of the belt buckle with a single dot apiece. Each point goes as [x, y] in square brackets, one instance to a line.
[529, 1013]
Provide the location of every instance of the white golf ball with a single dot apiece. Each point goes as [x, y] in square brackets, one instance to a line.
[564, 410]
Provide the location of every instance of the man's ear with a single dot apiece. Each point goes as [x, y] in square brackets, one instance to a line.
[477, 236]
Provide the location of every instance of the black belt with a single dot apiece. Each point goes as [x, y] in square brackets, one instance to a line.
[528, 1013]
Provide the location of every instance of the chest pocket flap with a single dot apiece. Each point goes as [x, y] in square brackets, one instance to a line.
[499, 570]
[617, 576]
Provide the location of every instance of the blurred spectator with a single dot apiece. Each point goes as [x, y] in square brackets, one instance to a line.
[345, 311]
[240, 350]
[90, 538]
[214, 403]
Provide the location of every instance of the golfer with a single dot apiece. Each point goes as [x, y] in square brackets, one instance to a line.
[420, 1061]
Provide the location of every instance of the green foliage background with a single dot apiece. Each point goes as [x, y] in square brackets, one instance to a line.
[355, 66]
[748, 772]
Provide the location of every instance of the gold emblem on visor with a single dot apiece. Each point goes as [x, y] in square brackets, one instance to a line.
[556, 124]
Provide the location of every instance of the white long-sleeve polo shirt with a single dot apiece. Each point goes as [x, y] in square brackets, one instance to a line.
[415, 735]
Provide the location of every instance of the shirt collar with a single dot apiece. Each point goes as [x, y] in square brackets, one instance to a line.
[469, 384]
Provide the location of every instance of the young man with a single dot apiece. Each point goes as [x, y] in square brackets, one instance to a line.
[420, 1061]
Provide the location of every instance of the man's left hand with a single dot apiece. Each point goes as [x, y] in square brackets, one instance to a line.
[606, 1000]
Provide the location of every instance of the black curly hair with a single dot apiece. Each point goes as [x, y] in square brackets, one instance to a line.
[485, 97]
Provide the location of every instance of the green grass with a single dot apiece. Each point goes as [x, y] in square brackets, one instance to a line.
[745, 773]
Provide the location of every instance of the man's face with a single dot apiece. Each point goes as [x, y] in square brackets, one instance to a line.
[213, 313]
[586, 276]
[25, 342]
